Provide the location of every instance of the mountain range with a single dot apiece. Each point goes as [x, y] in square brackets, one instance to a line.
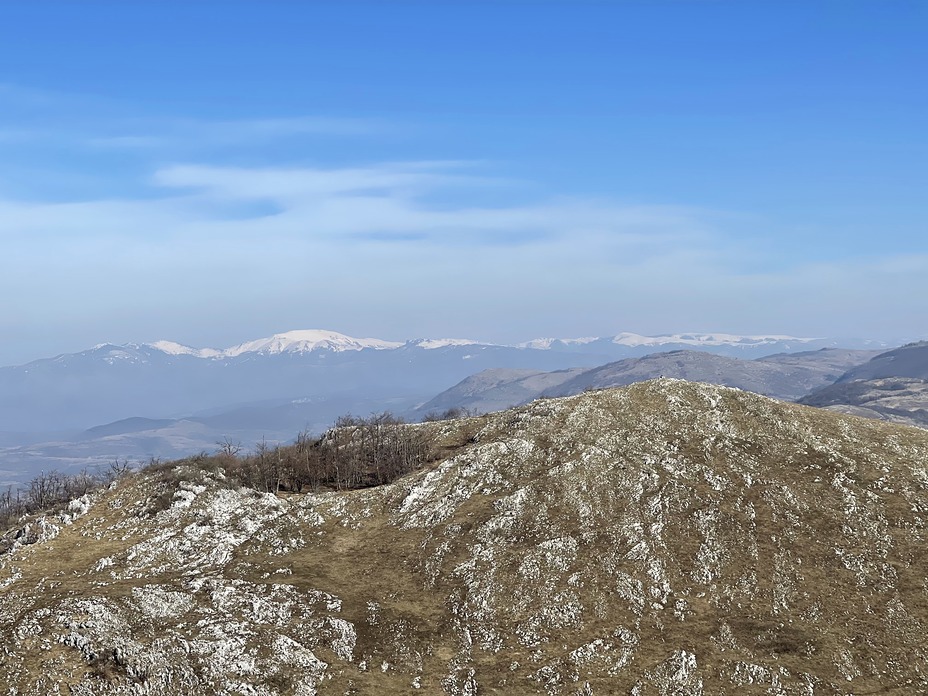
[301, 342]
[887, 385]
[788, 376]
[165, 399]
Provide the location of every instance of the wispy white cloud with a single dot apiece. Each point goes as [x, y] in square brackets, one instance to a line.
[390, 202]
[124, 142]
[293, 184]
[182, 134]
[94, 122]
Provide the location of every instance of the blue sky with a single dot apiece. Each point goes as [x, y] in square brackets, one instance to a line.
[213, 172]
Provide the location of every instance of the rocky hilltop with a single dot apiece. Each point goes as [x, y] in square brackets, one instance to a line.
[664, 538]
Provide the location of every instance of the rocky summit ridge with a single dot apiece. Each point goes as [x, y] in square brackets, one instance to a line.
[663, 538]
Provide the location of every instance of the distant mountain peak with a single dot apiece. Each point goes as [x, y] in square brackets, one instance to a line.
[306, 340]
[298, 341]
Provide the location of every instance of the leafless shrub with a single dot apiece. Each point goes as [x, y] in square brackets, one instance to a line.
[229, 447]
[53, 489]
[450, 414]
[355, 453]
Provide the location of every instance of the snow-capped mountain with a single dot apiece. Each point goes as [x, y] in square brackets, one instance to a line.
[309, 340]
[166, 379]
[714, 342]
[305, 341]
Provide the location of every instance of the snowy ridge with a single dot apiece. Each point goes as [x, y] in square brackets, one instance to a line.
[172, 348]
[546, 343]
[698, 339]
[308, 340]
[433, 343]
[302, 341]
[633, 340]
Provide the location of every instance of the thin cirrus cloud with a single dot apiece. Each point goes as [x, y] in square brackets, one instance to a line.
[298, 231]
[189, 134]
[391, 203]
[47, 118]
[338, 205]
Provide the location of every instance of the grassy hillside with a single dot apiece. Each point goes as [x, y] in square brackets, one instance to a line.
[664, 538]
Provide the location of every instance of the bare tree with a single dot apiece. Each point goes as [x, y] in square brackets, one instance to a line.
[228, 447]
